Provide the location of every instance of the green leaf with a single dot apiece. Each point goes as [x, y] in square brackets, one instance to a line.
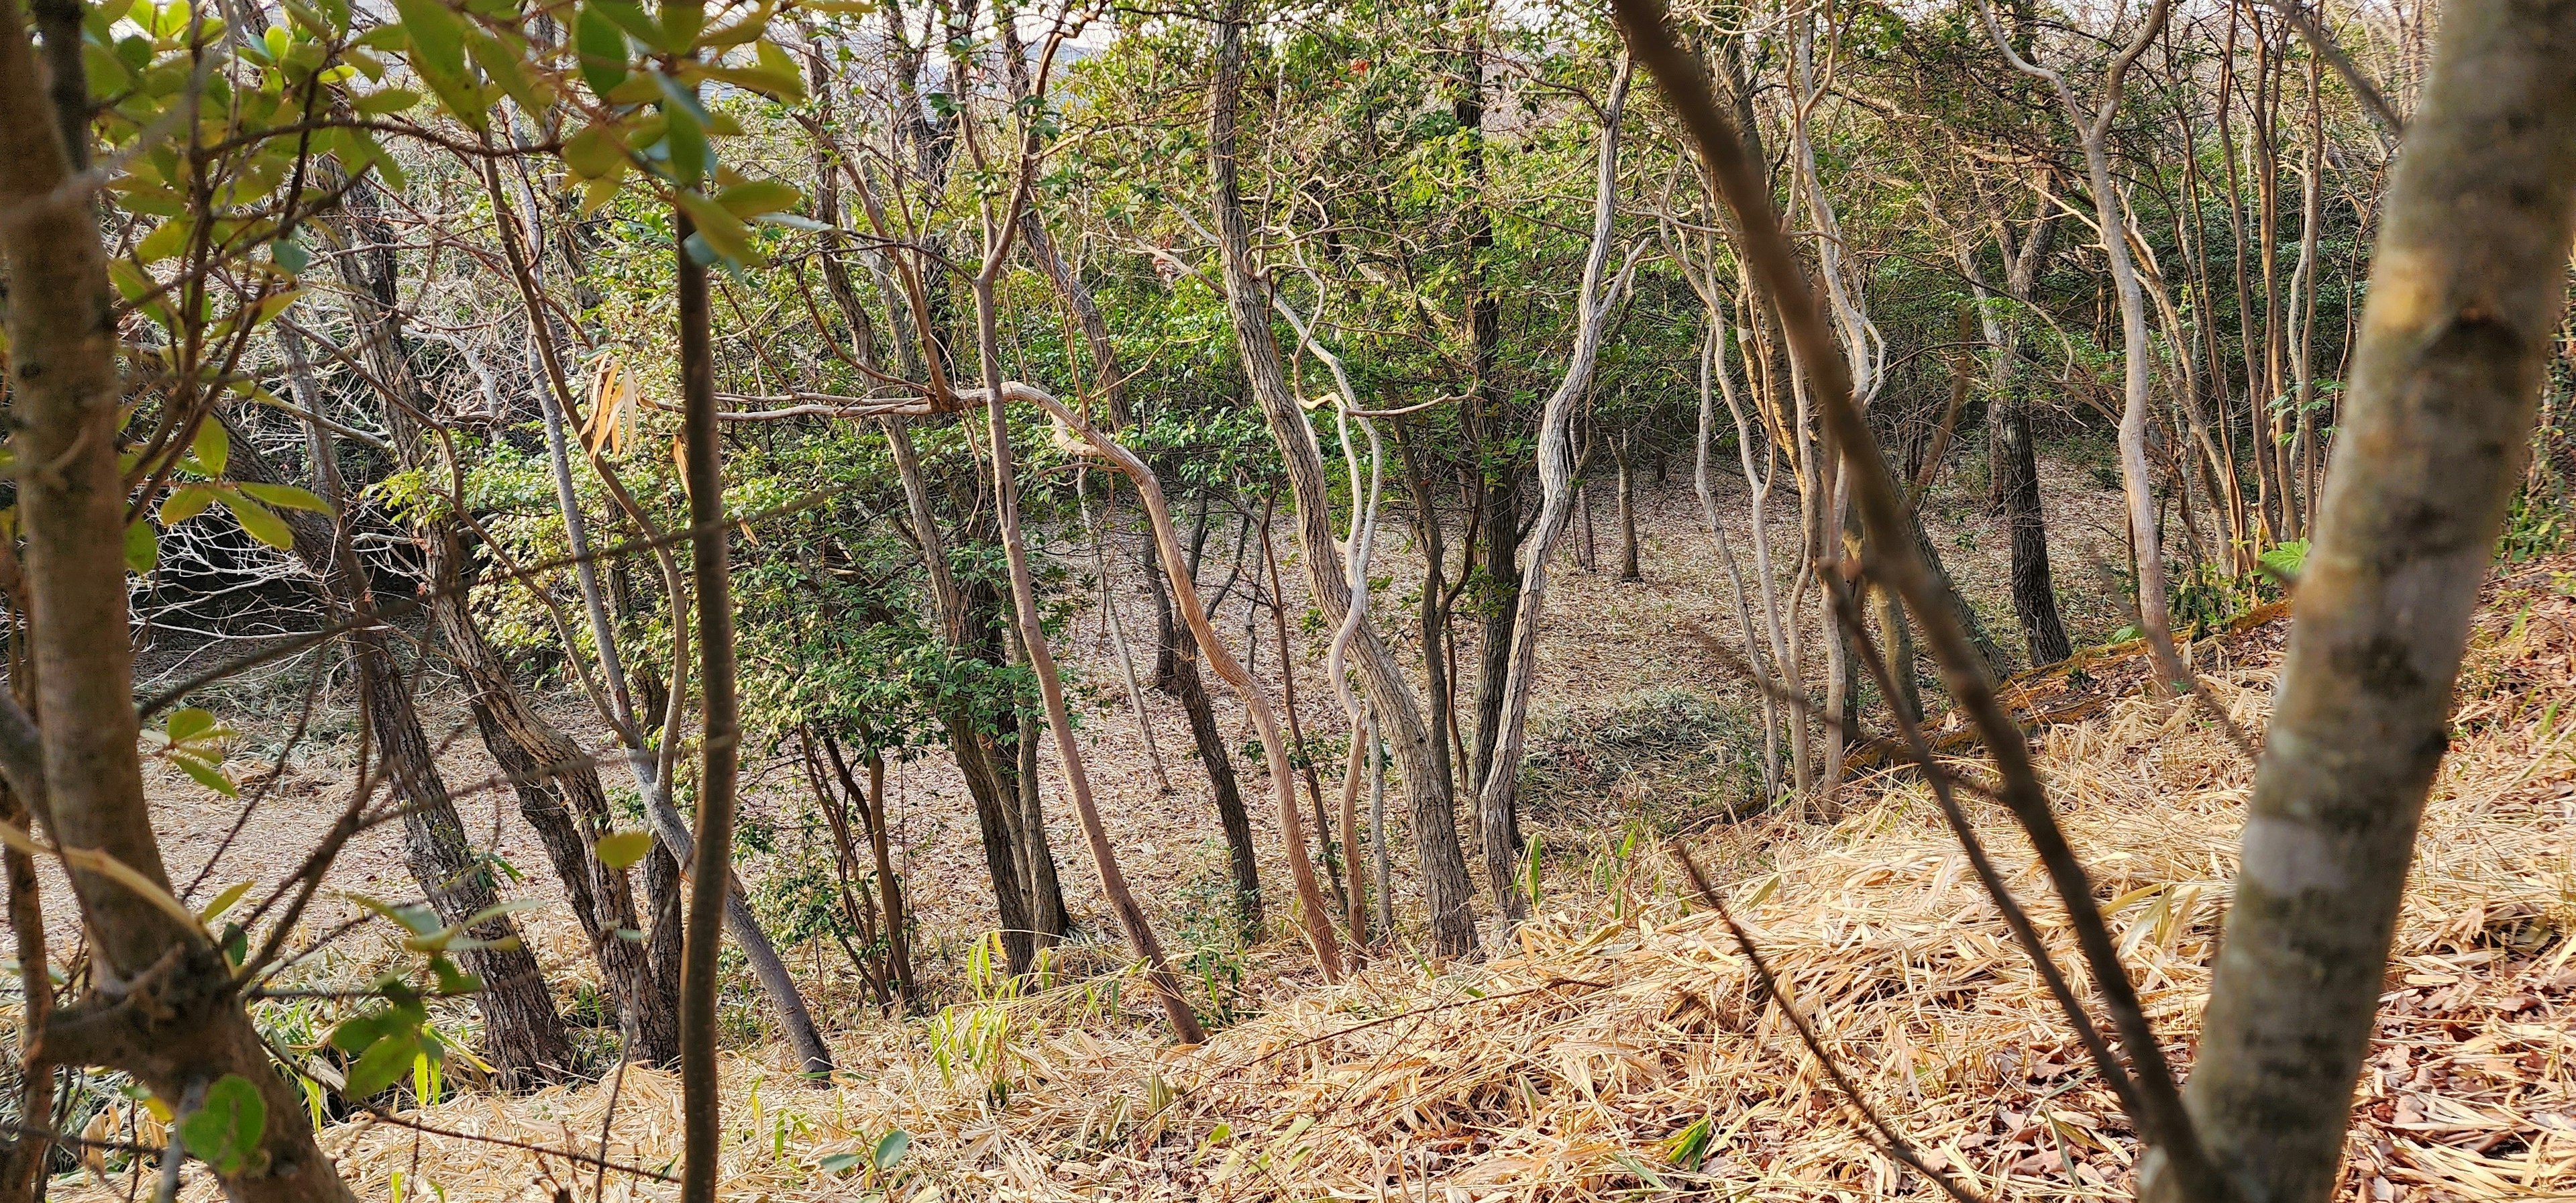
[207, 775]
[602, 49]
[289, 255]
[755, 197]
[437, 36]
[686, 132]
[358, 1033]
[621, 849]
[723, 232]
[438, 53]
[260, 522]
[224, 901]
[185, 502]
[501, 60]
[891, 1149]
[187, 723]
[165, 240]
[388, 100]
[682, 20]
[142, 546]
[594, 153]
[841, 1163]
[213, 447]
[224, 1130]
[451, 980]
[287, 497]
[629, 16]
[385, 1061]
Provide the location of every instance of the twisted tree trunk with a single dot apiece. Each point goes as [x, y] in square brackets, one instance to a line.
[1433, 804]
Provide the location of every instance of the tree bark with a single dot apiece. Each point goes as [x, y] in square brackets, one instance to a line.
[523, 1035]
[2466, 288]
[1433, 805]
[1558, 486]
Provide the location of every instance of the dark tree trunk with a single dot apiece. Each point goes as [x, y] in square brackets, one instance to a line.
[523, 1035]
[1627, 510]
[561, 798]
[1210, 739]
[2034, 593]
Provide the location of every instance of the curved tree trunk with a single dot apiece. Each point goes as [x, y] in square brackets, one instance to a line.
[1149, 492]
[1434, 806]
[1557, 484]
[80, 774]
[523, 1036]
[560, 796]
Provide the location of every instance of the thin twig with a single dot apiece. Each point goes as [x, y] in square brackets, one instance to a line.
[1893, 1143]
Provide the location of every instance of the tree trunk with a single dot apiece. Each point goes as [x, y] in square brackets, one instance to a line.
[1210, 740]
[2467, 286]
[523, 1036]
[1621, 450]
[560, 796]
[1558, 485]
[1434, 808]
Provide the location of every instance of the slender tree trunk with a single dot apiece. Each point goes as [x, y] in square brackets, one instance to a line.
[2467, 286]
[1596, 302]
[1434, 809]
[1149, 493]
[1621, 450]
[523, 1036]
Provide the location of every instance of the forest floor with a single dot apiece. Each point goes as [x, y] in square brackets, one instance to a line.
[1620, 1047]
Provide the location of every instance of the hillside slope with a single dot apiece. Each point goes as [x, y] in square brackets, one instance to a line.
[1626, 1047]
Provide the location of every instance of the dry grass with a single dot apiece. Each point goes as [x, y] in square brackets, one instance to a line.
[1626, 1029]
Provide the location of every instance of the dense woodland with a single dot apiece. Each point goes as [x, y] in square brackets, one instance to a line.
[781, 390]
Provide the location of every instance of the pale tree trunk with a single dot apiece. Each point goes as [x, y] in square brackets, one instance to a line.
[1434, 808]
[1149, 493]
[2466, 288]
[81, 773]
[1594, 305]
[674, 843]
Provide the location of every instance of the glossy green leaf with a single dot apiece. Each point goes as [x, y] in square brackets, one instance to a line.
[630, 16]
[185, 502]
[224, 901]
[383, 1064]
[142, 546]
[187, 723]
[208, 775]
[224, 1131]
[723, 233]
[287, 497]
[260, 522]
[755, 197]
[594, 153]
[213, 447]
[891, 1148]
[602, 49]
